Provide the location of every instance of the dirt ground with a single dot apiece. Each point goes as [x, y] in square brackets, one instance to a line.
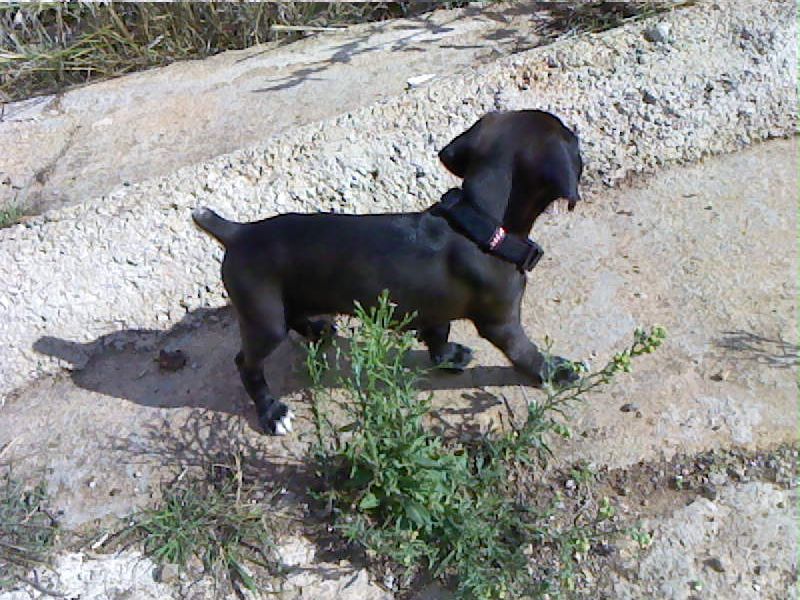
[703, 250]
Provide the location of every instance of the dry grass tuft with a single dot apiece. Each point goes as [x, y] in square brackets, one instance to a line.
[47, 46]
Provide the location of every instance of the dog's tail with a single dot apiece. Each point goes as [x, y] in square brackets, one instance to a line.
[210, 222]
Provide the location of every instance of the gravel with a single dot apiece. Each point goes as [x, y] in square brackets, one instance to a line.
[77, 277]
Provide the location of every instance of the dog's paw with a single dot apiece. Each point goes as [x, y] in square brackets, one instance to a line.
[454, 359]
[276, 419]
[559, 372]
[284, 426]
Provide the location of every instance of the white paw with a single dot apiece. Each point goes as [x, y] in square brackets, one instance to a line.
[284, 426]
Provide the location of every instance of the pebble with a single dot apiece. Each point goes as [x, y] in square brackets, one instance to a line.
[628, 407]
[715, 564]
[171, 360]
[717, 478]
[418, 80]
[708, 491]
[658, 33]
[603, 549]
[648, 97]
[168, 573]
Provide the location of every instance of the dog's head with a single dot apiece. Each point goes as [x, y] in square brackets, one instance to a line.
[517, 165]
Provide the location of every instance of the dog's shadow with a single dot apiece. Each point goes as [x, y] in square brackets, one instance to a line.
[197, 369]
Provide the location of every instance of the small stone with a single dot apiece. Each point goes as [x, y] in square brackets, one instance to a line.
[658, 33]
[389, 581]
[603, 549]
[648, 97]
[718, 478]
[168, 573]
[737, 472]
[418, 80]
[715, 564]
[708, 491]
[171, 361]
[626, 408]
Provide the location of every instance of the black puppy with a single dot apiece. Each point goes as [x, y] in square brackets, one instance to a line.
[280, 271]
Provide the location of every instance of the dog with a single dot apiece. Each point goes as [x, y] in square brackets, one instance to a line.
[282, 271]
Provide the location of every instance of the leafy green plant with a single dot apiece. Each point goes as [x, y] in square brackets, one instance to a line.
[409, 496]
[28, 531]
[641, 537]
[10, 216]
[212, 518]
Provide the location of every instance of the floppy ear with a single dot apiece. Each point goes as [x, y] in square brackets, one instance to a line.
[566, 185]
[562, 172]
[458, 154]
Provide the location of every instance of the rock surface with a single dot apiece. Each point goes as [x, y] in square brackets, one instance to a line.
[738, 546]
[134, 260]
[64, 149]
[76, 575]
[128, 574]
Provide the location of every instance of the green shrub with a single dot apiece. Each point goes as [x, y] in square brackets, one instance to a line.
[407, 495]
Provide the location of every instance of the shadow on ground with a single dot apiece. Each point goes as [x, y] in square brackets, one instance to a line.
[221, 427]
[748, 346]
[125, 364]
[552, 21]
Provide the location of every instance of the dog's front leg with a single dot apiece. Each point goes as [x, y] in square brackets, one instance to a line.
[447, 355]
[510, 338]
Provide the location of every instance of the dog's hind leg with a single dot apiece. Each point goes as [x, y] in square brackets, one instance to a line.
[447, 355]
[258, 341]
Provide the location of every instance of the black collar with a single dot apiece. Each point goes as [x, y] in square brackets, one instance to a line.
[490, 236]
